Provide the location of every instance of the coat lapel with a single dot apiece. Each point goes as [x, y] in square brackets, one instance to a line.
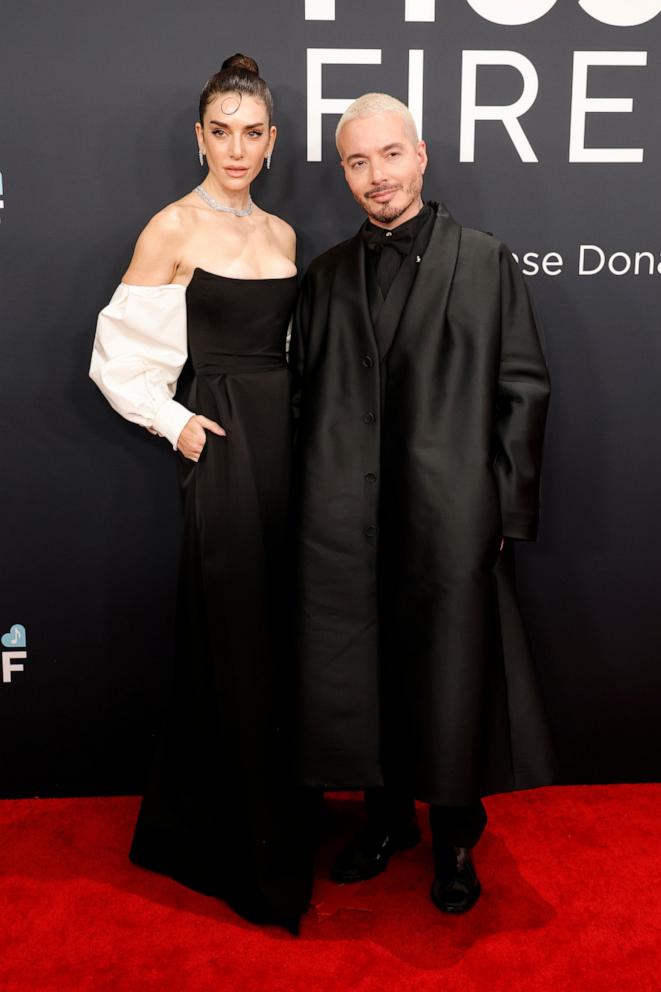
[428, 296]
[350, 287]
[390, 313]
[420, 288]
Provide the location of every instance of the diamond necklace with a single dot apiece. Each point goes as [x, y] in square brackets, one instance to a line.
[215, 205]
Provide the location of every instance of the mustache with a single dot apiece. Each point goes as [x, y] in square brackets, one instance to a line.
[382, 189]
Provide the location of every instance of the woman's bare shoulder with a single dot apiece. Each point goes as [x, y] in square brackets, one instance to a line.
[159, 246]
[172, 220]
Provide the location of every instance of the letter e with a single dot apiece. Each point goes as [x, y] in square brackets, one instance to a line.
[582, 105]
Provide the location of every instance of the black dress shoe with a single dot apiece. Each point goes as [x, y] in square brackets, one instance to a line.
[370, 853]
[456, 887]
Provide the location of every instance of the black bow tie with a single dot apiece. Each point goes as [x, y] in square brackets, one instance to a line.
[376, 239]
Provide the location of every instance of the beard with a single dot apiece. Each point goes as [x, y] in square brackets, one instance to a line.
[386, 213]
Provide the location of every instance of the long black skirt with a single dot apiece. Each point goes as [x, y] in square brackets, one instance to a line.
[221, 813]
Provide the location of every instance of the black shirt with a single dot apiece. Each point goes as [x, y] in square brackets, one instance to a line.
[387, 248]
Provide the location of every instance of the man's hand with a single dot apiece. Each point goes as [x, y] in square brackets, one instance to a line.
[193, 437]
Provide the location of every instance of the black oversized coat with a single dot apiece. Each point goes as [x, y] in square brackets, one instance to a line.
[418, 447]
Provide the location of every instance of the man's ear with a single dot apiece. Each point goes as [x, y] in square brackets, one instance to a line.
[421, 151]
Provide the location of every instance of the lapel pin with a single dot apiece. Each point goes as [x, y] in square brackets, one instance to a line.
[417, 258]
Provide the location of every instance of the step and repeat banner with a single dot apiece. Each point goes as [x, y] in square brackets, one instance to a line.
[542, 125]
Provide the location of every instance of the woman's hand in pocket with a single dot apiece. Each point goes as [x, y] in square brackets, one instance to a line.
[193, 437]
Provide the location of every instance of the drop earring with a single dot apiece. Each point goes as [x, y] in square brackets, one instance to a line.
[268, 161]
[201, 154]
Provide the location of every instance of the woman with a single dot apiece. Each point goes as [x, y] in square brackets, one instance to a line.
[214, 276]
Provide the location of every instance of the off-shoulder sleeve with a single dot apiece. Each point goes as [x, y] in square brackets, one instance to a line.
[139, 350]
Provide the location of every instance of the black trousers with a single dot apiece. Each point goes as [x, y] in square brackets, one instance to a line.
[451, 826]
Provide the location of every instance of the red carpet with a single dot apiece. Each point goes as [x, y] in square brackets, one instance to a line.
[572, 903]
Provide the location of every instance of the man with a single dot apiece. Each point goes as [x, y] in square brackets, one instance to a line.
[421, 394]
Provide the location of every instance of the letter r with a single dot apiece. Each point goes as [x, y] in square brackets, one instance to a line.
[509, 115]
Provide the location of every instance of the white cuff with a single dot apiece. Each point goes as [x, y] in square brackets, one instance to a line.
[170, 420]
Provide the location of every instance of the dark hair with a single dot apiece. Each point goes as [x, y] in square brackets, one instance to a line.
[238, 74]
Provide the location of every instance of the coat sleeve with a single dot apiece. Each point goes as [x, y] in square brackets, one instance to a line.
[139, 350]
[522, 400]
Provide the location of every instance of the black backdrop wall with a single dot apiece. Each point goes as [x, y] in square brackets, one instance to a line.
[98, 106]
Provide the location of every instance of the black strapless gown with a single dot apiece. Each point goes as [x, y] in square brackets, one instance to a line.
[221, 814]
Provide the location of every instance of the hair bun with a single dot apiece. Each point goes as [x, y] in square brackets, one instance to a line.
[240, 61]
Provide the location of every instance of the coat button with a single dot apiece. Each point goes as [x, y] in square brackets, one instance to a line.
[370, 477]
[369, 418]
[370, 531]
[368, 361]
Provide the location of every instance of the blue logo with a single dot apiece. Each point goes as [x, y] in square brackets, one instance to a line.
[12, 660]
[15, 638]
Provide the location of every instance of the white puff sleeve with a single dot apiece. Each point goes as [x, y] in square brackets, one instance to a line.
[139, 350]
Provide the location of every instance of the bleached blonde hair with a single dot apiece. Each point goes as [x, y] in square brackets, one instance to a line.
[370, 104]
